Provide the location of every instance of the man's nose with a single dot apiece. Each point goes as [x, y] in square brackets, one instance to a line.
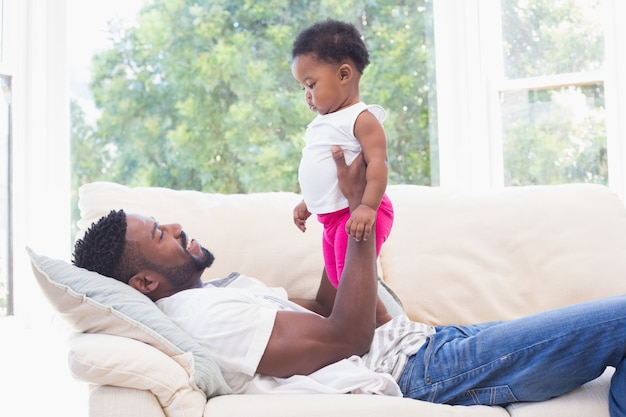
[173, 229]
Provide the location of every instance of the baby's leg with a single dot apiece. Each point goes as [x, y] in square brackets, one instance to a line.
[334, 243]
[340, 245]
[384, 221]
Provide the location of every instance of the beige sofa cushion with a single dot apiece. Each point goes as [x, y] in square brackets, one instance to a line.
[339, 405]
[108, 401]
[589, 400]
[128, 363]
[467, 257]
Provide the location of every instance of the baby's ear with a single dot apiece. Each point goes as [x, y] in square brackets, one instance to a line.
[345, 72]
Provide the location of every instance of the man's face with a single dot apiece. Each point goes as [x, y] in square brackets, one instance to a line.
[169, 251]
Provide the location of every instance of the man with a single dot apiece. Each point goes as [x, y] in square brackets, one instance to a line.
[265, 343]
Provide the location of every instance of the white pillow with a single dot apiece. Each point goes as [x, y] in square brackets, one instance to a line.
[93, 303]
[123, 362]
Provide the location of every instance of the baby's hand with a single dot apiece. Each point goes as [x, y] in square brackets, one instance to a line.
[361, 221]
[300, 214]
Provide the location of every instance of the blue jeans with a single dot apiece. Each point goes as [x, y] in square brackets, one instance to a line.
[530, 359]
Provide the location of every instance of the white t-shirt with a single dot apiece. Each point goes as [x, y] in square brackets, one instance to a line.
[233, 318]
[318, 173]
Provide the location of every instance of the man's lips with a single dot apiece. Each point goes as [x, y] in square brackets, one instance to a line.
[192, 246]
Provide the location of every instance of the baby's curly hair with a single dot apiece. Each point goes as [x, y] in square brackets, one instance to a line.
[332, 42]
[102, 247]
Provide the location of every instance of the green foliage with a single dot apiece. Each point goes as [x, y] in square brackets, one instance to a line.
[199, 94]
[546, 144]
[90, 157]
[545, 37]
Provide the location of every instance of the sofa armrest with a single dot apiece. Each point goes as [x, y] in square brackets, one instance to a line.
[102, 359]
[107, 401]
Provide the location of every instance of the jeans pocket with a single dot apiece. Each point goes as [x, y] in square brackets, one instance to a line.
[501, 395]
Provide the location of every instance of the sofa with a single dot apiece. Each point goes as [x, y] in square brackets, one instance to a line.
[454, 256]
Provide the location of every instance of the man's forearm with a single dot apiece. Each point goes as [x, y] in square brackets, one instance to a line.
[355, 302]
[302, 343]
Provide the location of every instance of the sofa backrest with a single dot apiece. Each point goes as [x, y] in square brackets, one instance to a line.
[466, 257]
[452, 257]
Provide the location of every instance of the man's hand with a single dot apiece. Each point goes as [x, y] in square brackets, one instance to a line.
[351, 178]
[300, 214]
[352, 185]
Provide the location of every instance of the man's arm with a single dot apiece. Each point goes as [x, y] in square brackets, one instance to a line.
[325, 299]
[302, 343]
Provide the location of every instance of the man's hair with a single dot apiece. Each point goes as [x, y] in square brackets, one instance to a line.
[332, 42]
[104, 249]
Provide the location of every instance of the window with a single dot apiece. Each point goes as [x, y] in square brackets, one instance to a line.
[6, 256]
[552, 94]
[531, 92]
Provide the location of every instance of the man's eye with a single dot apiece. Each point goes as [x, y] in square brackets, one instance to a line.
[161, 237]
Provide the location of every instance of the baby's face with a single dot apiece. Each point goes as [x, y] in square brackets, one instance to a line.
[320, 81]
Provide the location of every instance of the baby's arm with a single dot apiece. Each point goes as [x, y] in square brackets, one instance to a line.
[300, 214]
[371, 136]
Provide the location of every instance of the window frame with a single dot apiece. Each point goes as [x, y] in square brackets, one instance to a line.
[6, 80]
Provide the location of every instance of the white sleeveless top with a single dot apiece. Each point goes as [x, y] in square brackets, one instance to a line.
[318, 172]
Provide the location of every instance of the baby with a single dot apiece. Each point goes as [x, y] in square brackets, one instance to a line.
[328, 60]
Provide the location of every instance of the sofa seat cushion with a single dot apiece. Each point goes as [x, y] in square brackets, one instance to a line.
[586, 401]
[109, 400]
[316, 405]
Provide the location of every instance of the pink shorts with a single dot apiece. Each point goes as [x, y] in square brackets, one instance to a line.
[335, 238]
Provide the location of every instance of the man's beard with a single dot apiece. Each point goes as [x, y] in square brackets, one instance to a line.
[180, 275]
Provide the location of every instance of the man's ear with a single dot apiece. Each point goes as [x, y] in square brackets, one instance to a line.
[144, 282]
[345, 72]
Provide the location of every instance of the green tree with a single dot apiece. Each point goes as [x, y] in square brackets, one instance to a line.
[547, 144]
[546, 37]
[90, 155]
[199, 94]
